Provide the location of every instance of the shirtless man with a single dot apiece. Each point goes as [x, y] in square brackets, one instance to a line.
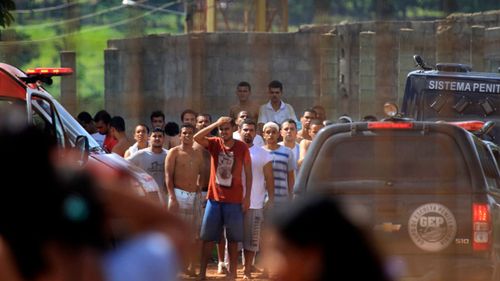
[202, 121]
[303, 134]
[316, 125]
[243, 91]
[182, 168]
[117, 130]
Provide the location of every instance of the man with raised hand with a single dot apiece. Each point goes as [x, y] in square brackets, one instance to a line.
[226, 203]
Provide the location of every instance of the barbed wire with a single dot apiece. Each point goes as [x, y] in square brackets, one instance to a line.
[108, 10]
[145, 6]
[43, 25]
[47, 9]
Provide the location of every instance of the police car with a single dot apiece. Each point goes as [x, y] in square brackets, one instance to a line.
[452, 92]
[428, 192]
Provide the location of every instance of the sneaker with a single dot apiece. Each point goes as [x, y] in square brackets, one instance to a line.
[222, 268]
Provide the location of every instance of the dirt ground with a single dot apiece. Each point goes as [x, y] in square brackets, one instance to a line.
[212, 274]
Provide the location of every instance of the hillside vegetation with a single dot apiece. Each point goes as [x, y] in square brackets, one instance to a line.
[37, 37]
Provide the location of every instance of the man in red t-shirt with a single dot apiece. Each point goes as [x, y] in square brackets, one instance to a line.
[226, 201]
[102, 120]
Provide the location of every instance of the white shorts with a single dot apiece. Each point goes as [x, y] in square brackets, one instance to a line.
[190, 209]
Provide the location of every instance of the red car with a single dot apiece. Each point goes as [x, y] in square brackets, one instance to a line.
[20, 89]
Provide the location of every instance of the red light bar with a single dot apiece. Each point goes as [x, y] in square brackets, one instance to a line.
[469, 125]
[50, 71]
[390, 125]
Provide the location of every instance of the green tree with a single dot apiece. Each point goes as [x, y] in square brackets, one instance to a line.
[17, 54]
[6, 17]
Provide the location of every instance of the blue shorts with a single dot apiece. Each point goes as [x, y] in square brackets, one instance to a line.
[219, 215]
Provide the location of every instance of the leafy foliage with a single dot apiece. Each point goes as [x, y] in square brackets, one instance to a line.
[13, 53]
[6, 17]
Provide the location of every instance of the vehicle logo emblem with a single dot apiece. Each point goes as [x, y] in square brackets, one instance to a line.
[387, 227]
[432, 227]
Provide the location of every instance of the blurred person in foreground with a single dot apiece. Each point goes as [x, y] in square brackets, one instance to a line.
[298, 248]
[62, 226]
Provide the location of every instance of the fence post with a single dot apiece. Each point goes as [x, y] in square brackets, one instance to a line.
[68, 83]
[477, 48]
[491, 50]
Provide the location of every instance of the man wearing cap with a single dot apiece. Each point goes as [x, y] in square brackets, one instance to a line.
[284, 165]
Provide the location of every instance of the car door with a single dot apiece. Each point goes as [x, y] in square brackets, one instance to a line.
[43, 114]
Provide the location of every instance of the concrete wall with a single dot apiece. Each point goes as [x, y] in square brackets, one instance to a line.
[201, 71]
[348, 68]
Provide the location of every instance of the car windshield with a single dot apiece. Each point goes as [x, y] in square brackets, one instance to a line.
[411, 159]
[74, 129]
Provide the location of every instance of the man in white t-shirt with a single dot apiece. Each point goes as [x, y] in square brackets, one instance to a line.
[263, 180]
[152, 158]
[289, 135]
[243, 115]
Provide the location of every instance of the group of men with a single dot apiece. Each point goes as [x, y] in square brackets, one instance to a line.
[249, 166]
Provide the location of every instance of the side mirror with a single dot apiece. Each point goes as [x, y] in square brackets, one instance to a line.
[82, 145]
[487, 127]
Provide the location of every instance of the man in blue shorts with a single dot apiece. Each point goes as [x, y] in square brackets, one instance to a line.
[226, 201]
